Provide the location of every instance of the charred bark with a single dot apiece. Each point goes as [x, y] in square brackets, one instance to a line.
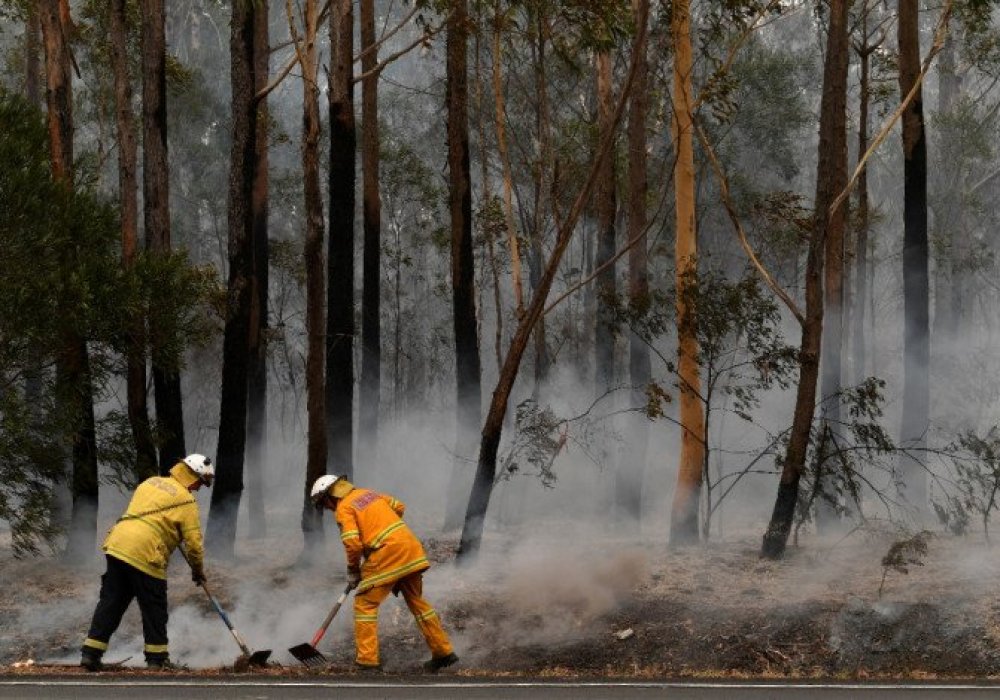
[156, 203]
[256, 452]
[916, 341]
[836, 226]
[340, 260]
[832, 160]
[371, 332]
[227, 491]
[32, 50]
[467, 361]
[629, 476]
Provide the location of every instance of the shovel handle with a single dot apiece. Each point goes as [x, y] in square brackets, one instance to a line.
[218, 608]
[329, 618]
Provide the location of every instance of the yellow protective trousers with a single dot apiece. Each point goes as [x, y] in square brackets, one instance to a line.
[366, 618]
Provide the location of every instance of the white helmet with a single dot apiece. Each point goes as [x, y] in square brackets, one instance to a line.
[321, 487]
[202, 466]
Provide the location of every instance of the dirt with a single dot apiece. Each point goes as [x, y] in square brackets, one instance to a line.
[637, 611]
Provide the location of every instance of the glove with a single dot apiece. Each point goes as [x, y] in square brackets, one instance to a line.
[353, 577]
[198, 577]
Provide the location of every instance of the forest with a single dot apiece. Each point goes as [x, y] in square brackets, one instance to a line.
[704, 287]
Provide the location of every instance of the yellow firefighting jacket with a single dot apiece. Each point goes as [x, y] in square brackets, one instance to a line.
[371, 526]
[161, 514]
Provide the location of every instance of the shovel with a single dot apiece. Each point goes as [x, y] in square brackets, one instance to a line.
[307, 652]
[248, 658]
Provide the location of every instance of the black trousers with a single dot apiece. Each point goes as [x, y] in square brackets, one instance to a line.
[121, 583]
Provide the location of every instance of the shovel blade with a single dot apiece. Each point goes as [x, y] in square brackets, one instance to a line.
[308, 654]
[259, 658]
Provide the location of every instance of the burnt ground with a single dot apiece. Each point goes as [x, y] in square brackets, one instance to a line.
[608, 609]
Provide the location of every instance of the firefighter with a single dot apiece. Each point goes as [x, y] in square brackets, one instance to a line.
[372, 529]
[162, 513]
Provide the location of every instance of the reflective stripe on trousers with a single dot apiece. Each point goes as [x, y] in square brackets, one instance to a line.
[120, 584]
[366, 618]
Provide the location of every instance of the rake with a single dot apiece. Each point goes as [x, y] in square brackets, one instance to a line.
[307, 652]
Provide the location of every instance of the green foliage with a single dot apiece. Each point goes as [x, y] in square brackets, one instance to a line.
[903, 554]
[537, 441]
[62, 277]
[976, 483]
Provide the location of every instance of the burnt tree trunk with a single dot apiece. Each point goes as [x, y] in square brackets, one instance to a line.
[156, 196]
[916, 340]
[371, 356]
[228, 489]
[629, 476]
[858, 337]
[833, 315]
[135, 353]
[467, 361]
[256, 449]
[316, 454]
[832, 159]
[340, 260]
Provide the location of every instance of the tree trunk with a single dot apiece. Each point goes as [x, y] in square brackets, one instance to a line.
[500, 111]
[542, 359]
[687, 493]
[916, 342]
[156, 202]
[628, 484]
[371, 357]
[228, 489]
[482, 487]
[138, 412]
[861, 236]
[830, 181]
[259, 280]
[340, 263]
[949, 291]
[606, 206]
[467, 368]
[312, 524]
[833, 315]
[75, 389]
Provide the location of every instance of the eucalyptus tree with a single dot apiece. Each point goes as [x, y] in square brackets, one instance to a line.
[228, 489]
[482, 488]
[256, 447]
[156, 220]
[136, 392]
[340, 255]
[466, 331]
[831, 181]
[371, 321]
[630, 472]
[916, 292]
[73, 367]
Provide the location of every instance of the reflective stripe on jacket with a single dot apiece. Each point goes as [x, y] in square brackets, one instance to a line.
[161, 514]
[371, 526]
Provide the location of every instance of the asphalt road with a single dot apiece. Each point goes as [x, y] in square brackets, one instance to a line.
[277, 689]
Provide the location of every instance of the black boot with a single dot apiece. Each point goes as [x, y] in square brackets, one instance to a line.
[91, 662]
[162, 664]
[436, 663]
